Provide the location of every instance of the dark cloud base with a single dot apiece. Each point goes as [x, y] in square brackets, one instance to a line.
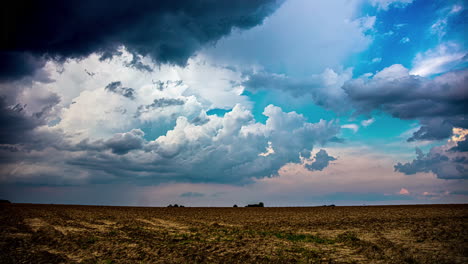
[167, 31]
[437, 162]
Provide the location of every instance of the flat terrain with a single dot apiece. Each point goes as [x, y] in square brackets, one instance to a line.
[367, 234]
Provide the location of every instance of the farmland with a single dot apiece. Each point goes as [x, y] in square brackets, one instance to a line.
[361, 234]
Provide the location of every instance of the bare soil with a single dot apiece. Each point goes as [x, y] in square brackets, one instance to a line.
[362, 234]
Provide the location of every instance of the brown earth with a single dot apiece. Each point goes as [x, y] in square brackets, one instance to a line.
[365, 234]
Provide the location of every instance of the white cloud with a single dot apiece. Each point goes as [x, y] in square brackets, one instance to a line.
[231, 144]
[88, 109]
[438, 28]
[386, 4]
[367, 22]
[353, 127]
[217, 149]
[438, 60]
[405, 40]
[269, 150]
[456, 9]
[393, 72]
[376, 60]
[440, 25]
[367, 122]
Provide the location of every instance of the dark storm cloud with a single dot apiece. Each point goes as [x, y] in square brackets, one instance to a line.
[116, 87]
[462, 146]
[437, 162]
[120, 143]
[138, 64]
[321, 161]
[168, 31]
[14, 65]
[124, 142]
[433, 129]
[17, 124]
[439, 104]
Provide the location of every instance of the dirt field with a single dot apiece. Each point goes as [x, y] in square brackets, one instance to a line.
[95, 234]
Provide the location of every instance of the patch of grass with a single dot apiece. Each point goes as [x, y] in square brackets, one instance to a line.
[301, 237]
[298, 254]
[347, 237]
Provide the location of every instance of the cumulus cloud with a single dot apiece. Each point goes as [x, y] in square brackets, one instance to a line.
[320, 161]
[122, 143]
[167, 31]
[324, 89]
[269, 150]
[15, 65]
[441, 164]
[439, 104]
[449, 161]
[221, 150]
[18, 125]
[138, 99]
[462, 146]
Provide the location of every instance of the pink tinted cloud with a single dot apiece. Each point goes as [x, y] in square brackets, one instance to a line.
[404, 191]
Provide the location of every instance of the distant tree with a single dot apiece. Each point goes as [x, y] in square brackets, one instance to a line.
[170, 205]
[176, 205]
[4, 202]
[235, 205]
[260, 204]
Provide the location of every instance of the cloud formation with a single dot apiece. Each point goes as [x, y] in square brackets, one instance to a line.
[449, 161]
[221, 150]
[386, 4]
[321, 161]
[18, 124]
[325, 89]
[437, 162]
[439, 104]
[116, 87]
[167, 31]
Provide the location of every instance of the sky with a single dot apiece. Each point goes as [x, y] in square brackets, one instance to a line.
[215, 103]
